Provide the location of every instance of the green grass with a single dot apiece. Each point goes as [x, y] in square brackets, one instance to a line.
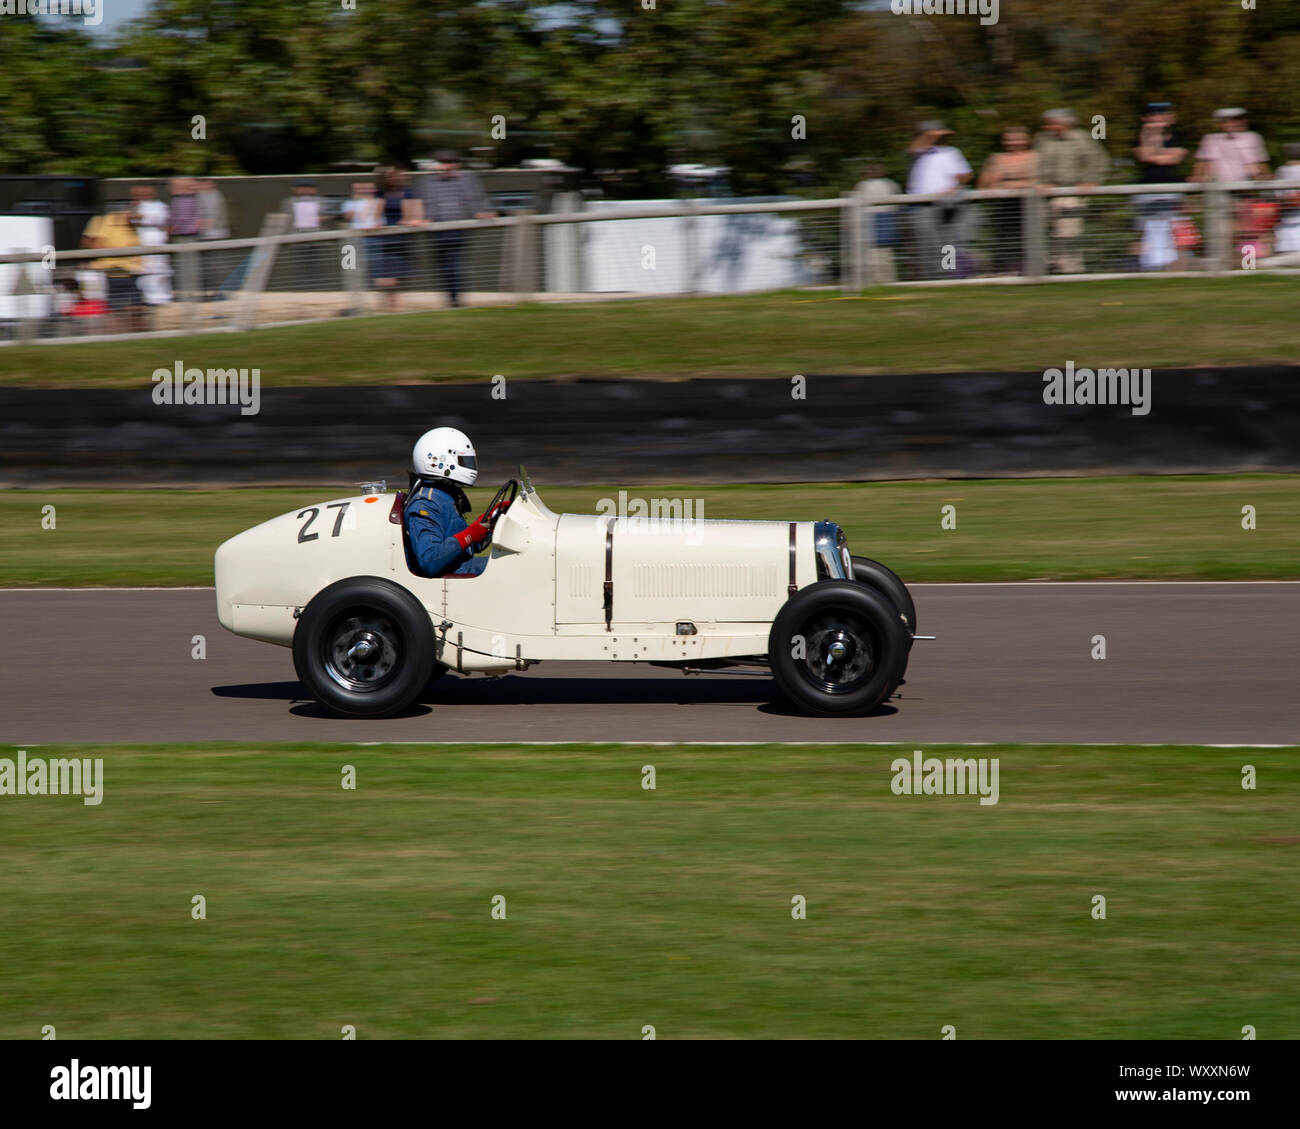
[1064, 529]
[670, 907]
[1155, 323]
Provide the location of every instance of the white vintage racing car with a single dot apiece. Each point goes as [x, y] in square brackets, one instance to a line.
[332, 582]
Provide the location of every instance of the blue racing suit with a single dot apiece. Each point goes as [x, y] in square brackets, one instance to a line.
[432, 522]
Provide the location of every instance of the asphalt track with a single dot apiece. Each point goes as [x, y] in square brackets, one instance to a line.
[1186, 663]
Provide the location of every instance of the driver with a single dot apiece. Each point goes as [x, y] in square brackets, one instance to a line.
[437, 536]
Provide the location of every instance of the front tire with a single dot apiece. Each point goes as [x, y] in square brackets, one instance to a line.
[875, 575]
[364, 647]
[837, 648]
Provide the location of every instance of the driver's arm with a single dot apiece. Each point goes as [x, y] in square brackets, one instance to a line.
[433, 525]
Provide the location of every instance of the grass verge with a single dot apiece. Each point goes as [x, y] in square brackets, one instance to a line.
[671, 907]
[1151, 323]
[1062, 529]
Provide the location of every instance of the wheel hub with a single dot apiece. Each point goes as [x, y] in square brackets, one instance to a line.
[841, 652]
[362, 651]
[838, 649]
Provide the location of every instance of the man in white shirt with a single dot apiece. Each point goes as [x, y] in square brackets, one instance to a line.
[150, 217]
[365, 209]
[1287, 247]
[303, 208]
[939, 225]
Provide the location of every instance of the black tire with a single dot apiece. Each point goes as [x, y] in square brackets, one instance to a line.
[367, 612]
[871, 642]
[876, 575]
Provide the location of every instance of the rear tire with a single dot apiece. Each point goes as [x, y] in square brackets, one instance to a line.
[853, 651]
[364, 647]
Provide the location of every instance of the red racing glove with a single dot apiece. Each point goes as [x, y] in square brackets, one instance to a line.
[479, 529]
[472, 534]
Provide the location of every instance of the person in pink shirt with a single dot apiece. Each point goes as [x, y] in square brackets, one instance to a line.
[1234, 153]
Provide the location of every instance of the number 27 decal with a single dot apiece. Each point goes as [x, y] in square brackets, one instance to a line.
[313, 512]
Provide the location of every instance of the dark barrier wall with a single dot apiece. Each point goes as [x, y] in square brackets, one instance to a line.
[596, 431]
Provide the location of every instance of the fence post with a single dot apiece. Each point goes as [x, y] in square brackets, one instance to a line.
[561, 248]
[1218, 229]
[26, 300]
[259, 269]
[1034, 214]
[871, 264]
[523, 233]
[187, 283]
[689, 250]
[352, 278]
[850, 243]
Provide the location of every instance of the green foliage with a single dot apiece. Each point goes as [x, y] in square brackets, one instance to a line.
[52, 95]
[613, 86]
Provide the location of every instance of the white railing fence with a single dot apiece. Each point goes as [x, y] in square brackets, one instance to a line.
[661, 248]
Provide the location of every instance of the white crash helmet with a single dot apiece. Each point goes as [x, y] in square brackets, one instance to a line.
[445, 452]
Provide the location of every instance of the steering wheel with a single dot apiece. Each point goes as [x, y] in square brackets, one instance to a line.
[508, 493]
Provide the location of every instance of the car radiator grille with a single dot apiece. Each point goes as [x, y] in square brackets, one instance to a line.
[680, 580]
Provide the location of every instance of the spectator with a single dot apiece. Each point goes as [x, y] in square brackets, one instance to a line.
[67, 297]
[303, 209]
[361, 212]
[113, 229]
[214, 223]
[391, 263]
[80, 313]
[364, 209]
[452, 193]
[1288, 230]
[1067, 158]
[1235, 153]
[1160, 151]
[879, 258]
[184, 227]
[151, 217]
[936, 168]
[1014, 166]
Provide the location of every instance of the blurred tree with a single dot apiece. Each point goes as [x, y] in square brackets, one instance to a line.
[51, 86]
[612, 85]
